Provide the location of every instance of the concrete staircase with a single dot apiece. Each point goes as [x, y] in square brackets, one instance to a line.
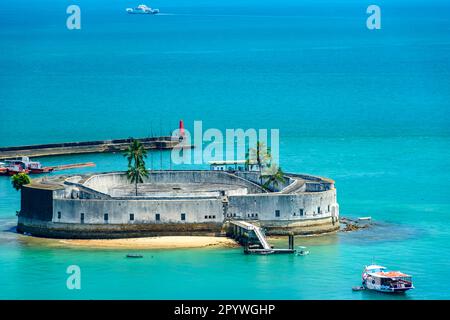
[257, 230]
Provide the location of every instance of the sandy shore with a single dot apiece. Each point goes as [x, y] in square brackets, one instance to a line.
[153, 242]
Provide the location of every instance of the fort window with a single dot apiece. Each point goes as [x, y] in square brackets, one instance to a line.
[256, 215]
[206, 217]
[183, 216]
[302, 212]
[157, 217]
[82, 218]
[106, 217]
[318, 210]
[59, 214]
[277, 213]
[213, 217]
[131, 216]
[328, 208]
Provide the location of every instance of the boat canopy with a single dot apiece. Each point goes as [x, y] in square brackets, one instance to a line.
[392, 274]
[374, 267]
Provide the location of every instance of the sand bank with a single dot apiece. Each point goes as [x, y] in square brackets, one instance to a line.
[153, 242]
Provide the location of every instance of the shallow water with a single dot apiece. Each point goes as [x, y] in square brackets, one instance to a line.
[369, 110]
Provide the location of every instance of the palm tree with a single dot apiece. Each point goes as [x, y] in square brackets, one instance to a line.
[136, 154]
[259, 155]
[20, 179]
[274, 178]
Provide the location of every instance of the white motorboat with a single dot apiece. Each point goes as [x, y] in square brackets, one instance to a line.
[302, 251]
[378, 278]
[142, 9]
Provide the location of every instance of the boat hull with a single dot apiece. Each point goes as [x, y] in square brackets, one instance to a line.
[41, 170]
[134, 11]
[385, 289]
[12, 172]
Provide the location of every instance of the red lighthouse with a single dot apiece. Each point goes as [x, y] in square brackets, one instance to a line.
[181, 129]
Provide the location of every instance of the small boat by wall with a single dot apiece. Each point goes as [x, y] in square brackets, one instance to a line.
[134, 255]
[259, 251]
[378, 278]
[358, 288]
[3, 169]
[302, 251]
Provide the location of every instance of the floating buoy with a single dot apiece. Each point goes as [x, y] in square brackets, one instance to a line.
[358, 288]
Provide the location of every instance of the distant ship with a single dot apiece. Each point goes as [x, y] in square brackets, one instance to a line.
[142, 9]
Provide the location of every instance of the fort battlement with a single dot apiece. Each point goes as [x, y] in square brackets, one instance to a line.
[175, 202]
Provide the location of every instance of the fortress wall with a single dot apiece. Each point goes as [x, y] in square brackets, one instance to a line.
[48, 212]
[144, 211]
[289, 220]
[78, 191]
[265, 205]
[173, 195]
[289, 206]
[254, 177]
[103, 182]
[317, 225]
[36, 203]
[110, 231]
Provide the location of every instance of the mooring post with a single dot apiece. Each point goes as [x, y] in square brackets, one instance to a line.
[245, 240]
[291, 241]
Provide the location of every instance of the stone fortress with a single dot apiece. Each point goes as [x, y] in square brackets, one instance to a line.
[175, 202]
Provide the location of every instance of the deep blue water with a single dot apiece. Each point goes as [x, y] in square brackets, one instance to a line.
[369, 109]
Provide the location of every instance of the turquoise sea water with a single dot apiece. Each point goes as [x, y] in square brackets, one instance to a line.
[369, 109]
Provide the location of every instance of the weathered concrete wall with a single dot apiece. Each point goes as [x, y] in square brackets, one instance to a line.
[144, 211]
[109, 231]
[314, 204]
[103, 182]
[36, 203]
[255, 178]
[316, 225]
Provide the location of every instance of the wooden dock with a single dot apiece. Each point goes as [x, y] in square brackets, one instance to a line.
[100, 146]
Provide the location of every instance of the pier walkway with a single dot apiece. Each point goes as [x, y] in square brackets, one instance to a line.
[245, 232]
[257, 231]
[69, 148]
